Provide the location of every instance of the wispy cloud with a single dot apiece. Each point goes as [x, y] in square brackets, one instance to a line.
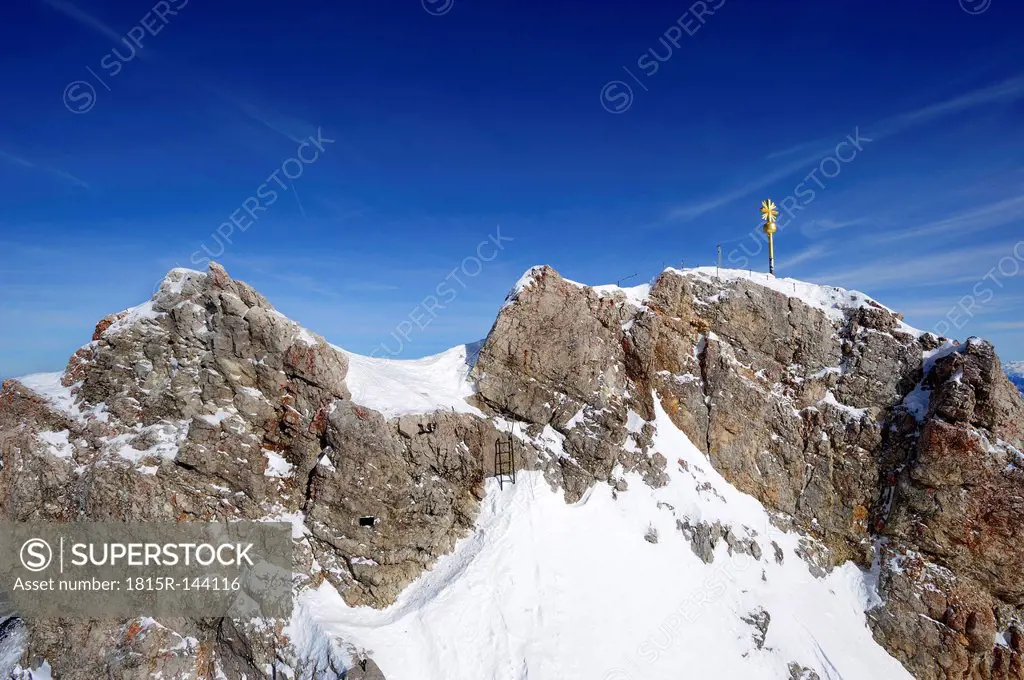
[1005, 91]
[293, 128]
[935, 306]
[1008, 90]
[89, 21]
[18, 160]
[974, 220]
[94, 24]
[907, 270]
[694, 210]
[815, 252]
[826, 225]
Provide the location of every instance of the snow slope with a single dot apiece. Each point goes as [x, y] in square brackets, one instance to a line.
[398, 387]
[543, 590]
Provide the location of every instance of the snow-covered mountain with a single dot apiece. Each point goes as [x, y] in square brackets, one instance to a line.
[1015, 369]
[721, 474]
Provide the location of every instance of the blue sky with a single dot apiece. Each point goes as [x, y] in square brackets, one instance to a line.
[606, 139]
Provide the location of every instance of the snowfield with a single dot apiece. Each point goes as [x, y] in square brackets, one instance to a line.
[549, 591]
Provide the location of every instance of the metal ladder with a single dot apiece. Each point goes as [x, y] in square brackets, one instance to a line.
[504, 461]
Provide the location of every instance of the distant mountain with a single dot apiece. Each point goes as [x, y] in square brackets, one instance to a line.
[1015, 369]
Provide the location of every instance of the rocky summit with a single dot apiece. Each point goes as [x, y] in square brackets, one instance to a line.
[719, 474]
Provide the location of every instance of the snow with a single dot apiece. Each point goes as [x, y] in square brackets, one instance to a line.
[1015, 369]
[11, 648]
[297, 520]
[58, 442]
[277, 466]
[524, 282]
[830, 399]
[216, 418]
[579, 418]
[635, 295]
[550, 591]
[49, 387]
[132, 316]
[306, 338]
[397, 387]
[166, 437]
[325, 460]
[829, 299]
[175, 280]
[918, 401]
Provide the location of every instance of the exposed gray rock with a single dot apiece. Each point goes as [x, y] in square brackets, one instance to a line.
[704, 537]
[651, 536]
[798, 672]
[759, 620]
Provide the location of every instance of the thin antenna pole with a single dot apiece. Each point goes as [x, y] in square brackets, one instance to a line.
[718, 266]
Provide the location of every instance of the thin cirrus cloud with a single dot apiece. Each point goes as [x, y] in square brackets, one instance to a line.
[18, 160]
[976, 219]
[1005, 91]
[809, 254]
[693, 211]
[79, 15]
[287, 126]
[826, 225]
[939, 268]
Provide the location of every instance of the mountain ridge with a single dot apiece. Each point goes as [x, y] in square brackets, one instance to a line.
[849, 421]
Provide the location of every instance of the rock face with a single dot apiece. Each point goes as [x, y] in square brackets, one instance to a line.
[207, 404]
[881, 444]
[823, 405]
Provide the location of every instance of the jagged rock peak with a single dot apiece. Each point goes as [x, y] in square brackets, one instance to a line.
[837, 303]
